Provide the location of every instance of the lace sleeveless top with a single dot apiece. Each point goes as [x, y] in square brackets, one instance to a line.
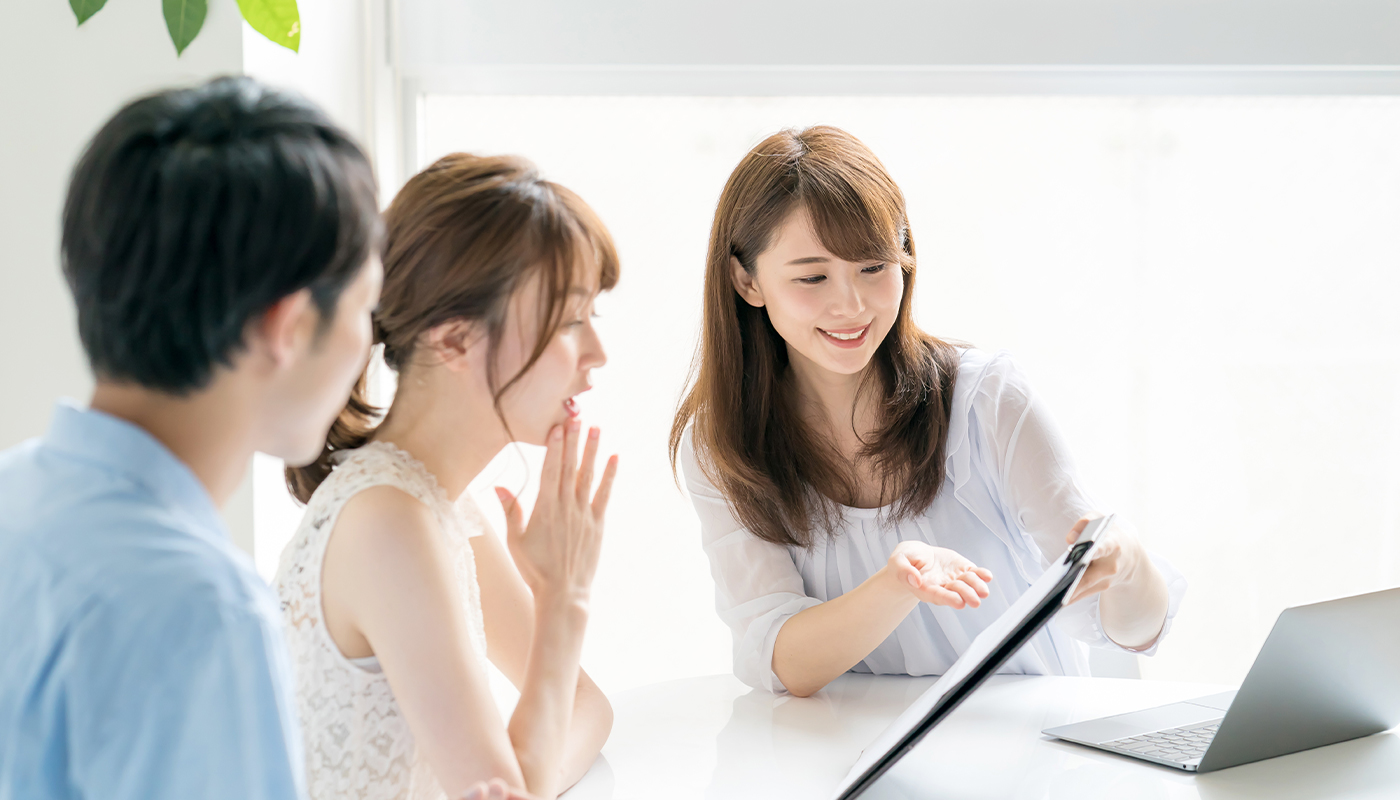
[358, 745]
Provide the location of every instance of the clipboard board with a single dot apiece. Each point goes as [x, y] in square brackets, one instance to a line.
[992, 648]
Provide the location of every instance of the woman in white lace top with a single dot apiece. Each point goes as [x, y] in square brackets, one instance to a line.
[394, 591]
[871, 498]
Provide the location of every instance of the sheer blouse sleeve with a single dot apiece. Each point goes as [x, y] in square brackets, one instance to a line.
[757, 584]
[1041, 491]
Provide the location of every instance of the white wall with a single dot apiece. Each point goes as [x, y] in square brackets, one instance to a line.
[61, 83]
[331, 66]
[73, 79]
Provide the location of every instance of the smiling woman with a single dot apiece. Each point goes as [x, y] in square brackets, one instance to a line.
[822, 483]
[852, 304]
[805, 230]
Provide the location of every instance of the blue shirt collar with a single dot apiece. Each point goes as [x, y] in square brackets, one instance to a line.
[123, 448]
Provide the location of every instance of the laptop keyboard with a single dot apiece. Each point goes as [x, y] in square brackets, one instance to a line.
[1173, 744]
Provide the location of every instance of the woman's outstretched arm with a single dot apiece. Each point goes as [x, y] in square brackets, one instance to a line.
[785, 640]
[1042, 492]
[819, 644]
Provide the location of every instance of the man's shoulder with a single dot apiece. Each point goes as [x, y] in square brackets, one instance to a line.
[18, 455]
[27, 478]
[43, 491]
[172, 570]
[181, 615]
[118, 557]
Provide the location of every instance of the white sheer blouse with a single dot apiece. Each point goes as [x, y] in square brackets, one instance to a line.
[1010, 497]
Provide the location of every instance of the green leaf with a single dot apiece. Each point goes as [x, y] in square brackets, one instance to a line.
[278, 20]
[82, 9]
[184, 18]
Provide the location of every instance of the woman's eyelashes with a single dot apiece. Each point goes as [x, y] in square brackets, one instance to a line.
[574, 323]
[872, 269]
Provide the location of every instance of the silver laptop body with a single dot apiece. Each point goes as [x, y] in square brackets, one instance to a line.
[1328, 672]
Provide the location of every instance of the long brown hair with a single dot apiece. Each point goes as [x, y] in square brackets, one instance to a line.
[460, 238]
[782, 480]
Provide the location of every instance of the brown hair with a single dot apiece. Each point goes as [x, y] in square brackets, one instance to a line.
[781, 479]
[460, 238]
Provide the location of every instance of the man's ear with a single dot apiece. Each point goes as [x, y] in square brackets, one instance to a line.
[455, 343]
[285, 328]
[744, 283]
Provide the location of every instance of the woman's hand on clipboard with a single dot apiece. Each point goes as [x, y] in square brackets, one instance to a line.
[1117, 557]
[1134, 599]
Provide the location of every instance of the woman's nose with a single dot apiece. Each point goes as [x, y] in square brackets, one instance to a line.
[847, 301]
[593, 354]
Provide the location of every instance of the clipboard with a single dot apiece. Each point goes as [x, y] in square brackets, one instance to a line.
[992, 648]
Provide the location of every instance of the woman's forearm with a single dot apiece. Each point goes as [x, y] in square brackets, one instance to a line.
[588, 731]
[1134, 612]
[540, 727]
[819, 644]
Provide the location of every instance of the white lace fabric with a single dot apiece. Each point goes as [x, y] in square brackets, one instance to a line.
[358, 744]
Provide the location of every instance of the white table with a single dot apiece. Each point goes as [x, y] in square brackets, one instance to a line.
[715, 738]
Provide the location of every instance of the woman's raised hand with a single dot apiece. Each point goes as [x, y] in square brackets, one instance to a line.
[938, 575]
[557, 551]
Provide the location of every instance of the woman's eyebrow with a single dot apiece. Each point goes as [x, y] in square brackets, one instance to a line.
[809, 260]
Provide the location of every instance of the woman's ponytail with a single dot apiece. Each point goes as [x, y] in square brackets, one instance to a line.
[350, 430]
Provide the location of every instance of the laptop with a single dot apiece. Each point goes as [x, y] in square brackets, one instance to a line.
[1328, 672]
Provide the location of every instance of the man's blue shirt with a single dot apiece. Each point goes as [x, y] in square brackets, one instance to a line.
[141, 656]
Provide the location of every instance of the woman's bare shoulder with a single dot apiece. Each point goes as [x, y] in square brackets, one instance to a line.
[386, 525]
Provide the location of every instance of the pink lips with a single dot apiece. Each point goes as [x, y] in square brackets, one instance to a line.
[571, 404]
[846, 344]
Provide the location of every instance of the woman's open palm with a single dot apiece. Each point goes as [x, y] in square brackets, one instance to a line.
[938, 575]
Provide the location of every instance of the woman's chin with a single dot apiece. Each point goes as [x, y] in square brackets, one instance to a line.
[537, 438]
[849, 363]
[851, 367]
[539, 434]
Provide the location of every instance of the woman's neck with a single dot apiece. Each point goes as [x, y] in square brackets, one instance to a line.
[454, 437]
[835, 400]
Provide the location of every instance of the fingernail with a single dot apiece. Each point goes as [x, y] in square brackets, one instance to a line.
[574, 424]
[593, 433]
[556, 433]
[913, 581]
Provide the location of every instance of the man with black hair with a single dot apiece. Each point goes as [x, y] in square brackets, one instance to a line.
[220, 244]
